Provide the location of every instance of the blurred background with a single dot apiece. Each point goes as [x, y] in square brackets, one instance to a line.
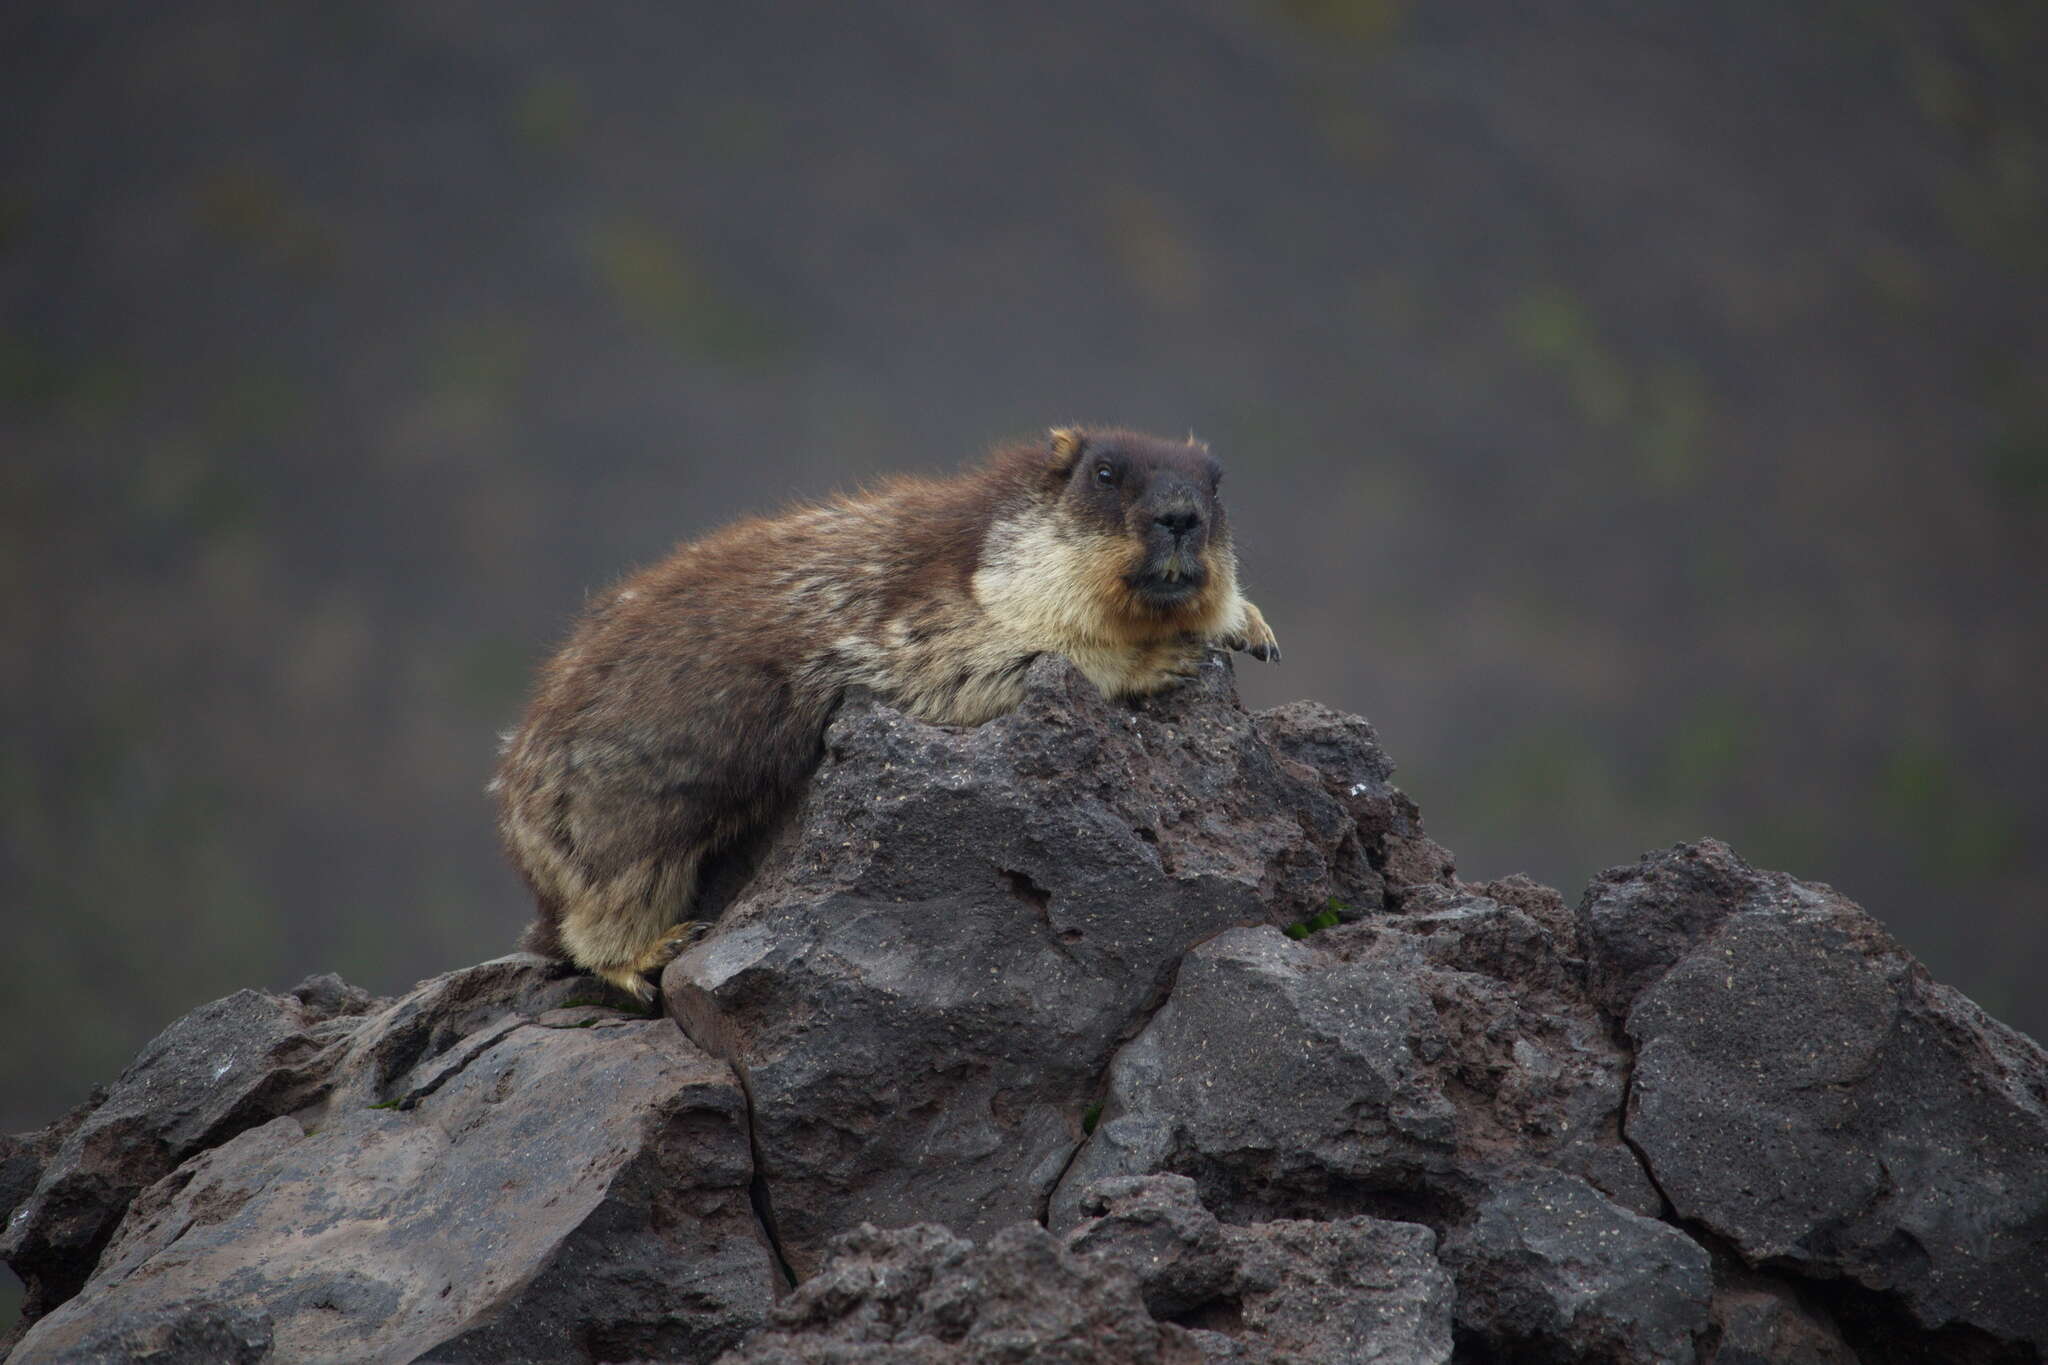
[1638, 410]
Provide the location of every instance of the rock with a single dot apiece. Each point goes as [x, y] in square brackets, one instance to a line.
[1343, 754]
[1209, 1089]
[1806, 1092]
[23, 1156]
[1440, 1044]
[1155, 1227]
[326, 996]
[1355, 1289]
[198, 1332]
[492, 1177]
[1757, 1323]
[1349, 1290]
[1539, 903]
[921, 1296]
[1636, 921]
[925, 982]
[1416, 864]
[221, 1070]
[1188, 986]
[1552, 1270]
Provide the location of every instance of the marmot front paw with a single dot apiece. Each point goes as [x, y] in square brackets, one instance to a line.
[1256, 639]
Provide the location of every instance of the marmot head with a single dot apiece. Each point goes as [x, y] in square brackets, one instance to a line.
[1157, 499]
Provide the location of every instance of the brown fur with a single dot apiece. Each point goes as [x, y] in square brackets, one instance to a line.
[690, 701]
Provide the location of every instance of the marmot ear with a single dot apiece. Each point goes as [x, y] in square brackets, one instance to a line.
[1067, 443]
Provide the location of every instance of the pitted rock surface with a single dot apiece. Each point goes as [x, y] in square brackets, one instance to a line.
[929, 976]
[491, 1177]
[921, 1296]
[222, 1069]
[1425, 1067]
[1550, 1269]
[1143, 1033]
[1352, 1289]
[1759, 1323]
[1804, 1090]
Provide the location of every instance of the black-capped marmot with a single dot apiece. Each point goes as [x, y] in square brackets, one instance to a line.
[691, 700]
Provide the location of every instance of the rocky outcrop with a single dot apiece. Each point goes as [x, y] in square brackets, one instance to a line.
[480, 1171]
[1142, 1033]
[1804, 1091]
[921, 1296]
[927, 981]
[1310, 1289]
[221, 1070]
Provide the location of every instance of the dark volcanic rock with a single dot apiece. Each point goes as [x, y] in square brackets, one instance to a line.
[1382, 1067]
[1201, 1091]
[1757, 1323]
[491, 1178]
[1550, 1270]
[1803, 1089]
[1352, 1289]
[1343, 754]
[23, 1156]
[921, 1296]
[1155, 1227]
[1189, 987]
[222, 1069]
[198, 1332]
[1637, 920]
[927, 980]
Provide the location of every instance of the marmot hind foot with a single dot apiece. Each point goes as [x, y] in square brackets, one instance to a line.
[671, 944]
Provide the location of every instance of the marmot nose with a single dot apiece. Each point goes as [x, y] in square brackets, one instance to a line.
[1179, 521]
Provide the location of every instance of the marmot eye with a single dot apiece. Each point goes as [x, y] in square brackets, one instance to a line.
[1104, 475]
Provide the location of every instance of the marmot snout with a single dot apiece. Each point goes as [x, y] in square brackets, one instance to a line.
[690, 701]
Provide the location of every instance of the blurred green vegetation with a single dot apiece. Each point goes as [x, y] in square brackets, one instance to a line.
[2017, 464]
[552, 113]
[1660, 407]
[14, 210]
[653, 280]
[1366, 23]
[489, 677]
[1149, 239]
[142, 846]
[258, 211]
[38, 379]
[1957, 832]
[1979, 81]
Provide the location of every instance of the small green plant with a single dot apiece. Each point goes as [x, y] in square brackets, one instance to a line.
[388, 1104]
[1091, 1116]
[1322, 919]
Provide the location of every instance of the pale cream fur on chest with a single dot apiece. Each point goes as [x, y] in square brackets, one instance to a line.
[1031, 595]
[1033, 590]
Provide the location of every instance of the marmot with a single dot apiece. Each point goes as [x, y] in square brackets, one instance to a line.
[691, 700]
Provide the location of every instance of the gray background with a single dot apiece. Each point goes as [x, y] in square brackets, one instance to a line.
[1637, 410]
